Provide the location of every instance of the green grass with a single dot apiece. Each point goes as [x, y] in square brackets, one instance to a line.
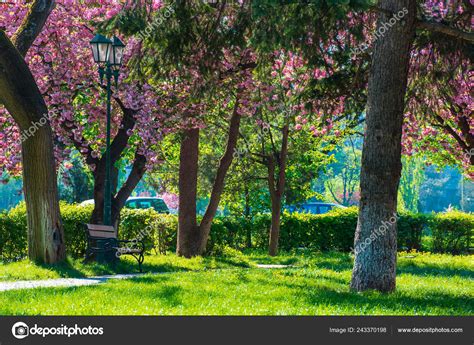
[76, 268]
[315, 284]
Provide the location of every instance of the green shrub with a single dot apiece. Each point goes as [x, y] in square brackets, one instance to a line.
[157, 230]
[13, 234]
[228, 232]
[452, 232]
[410, 227]
[74, 217]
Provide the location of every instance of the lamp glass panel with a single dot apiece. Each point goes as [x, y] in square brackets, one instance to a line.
[95, 51]
[104, 50]
[116, 56]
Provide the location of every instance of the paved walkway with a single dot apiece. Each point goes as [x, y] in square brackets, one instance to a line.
[64, 282]
[274, 266]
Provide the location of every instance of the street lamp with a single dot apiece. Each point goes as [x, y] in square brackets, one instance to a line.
[108, 54]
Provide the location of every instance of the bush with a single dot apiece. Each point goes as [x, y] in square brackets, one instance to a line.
[451, 231]
[157, 230]
[13, 234]
[410, 227]
[74, 217]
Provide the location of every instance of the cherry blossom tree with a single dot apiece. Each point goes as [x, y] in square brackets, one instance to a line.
[202, 68]
[67, 78]
[440, 89]
[436, 100]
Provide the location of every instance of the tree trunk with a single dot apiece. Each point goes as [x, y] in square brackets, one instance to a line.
[188, 231]
[193, 238]
[275, 225]
[247, 217]
[99, 188]
[45, 232]
[218, 185]
[118, 198]
[99, 183]
[118, 145]
[376, 234]
[277, 189]
[22, 98]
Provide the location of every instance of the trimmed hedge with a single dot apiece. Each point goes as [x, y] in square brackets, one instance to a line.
[451, 231]
[13, 234]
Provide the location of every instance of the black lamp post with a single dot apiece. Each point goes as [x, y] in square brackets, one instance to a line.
[108, 54]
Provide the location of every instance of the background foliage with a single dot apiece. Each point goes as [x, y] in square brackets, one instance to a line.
[449, 232]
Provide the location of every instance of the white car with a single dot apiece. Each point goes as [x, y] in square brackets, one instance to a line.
[157, 204]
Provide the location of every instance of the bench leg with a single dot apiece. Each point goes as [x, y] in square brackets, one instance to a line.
[141, 258]
[88, 256]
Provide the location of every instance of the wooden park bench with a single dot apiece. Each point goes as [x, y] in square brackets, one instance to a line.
[103, 244]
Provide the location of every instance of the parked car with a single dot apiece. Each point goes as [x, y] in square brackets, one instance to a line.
[313, 207]
[157, 204]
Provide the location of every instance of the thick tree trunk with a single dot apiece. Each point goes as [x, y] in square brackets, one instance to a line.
[99, 188]
[119, 198]
[22, 98]
[45, 232]
[99, 183]
[376, 235]
[188, 231]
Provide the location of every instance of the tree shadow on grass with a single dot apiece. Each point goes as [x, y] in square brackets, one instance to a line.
[423, 269]
[339, 294]
[65, 269]
[159, 288]
[335, 291]
[336, 264]
[400, 304]
[171, 295]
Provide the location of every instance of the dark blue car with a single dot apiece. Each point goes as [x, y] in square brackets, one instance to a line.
[313, 207]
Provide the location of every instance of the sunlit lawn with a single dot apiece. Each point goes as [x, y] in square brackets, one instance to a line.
[315, 284]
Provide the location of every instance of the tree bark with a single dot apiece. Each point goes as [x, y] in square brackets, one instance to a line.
[45, 232]
[118, 202]
[218, 185]
[32, 25]
[193, 238]
[275, 223]
[276, 189]
[188, 231]
[376, 234]
[22, 98]
[247, 216]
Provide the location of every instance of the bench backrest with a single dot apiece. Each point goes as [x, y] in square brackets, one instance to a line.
[101, 231]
